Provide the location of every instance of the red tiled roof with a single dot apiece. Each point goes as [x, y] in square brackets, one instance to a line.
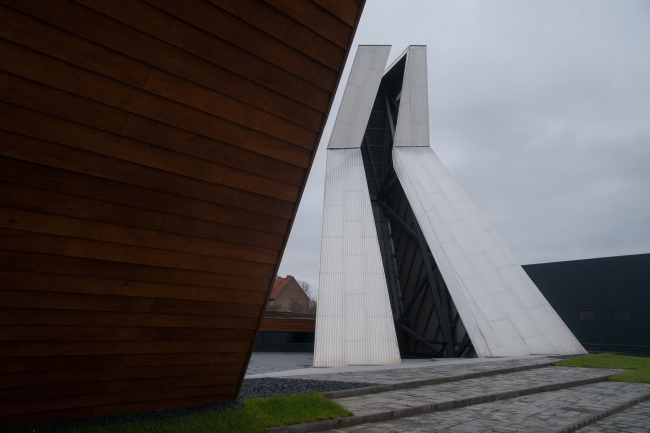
[279, 284]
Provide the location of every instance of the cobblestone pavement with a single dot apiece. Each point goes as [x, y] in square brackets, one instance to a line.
[544, 412]
[408, 374]
[633, 420]
[391, 400]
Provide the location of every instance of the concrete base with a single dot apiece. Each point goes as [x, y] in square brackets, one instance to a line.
[300, 364]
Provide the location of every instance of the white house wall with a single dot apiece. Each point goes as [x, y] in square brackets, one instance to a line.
[354, 321]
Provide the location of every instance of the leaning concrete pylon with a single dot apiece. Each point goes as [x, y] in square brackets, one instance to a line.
[354, 323]
[452, 286]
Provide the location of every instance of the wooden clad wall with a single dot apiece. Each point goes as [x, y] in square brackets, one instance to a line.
[286, 321]
[152, 155]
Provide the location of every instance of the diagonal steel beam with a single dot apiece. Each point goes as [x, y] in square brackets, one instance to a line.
[418, 337]
[442, 308]
[390, 118]
[407, 264]
[419, 289]
[394, 285]
[464, 344]
[389, 184]
[391, 213]
[372, 163]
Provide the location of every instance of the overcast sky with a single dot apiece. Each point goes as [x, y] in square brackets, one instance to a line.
[540, 110]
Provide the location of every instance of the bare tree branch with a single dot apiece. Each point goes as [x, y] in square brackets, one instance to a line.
[306, 287]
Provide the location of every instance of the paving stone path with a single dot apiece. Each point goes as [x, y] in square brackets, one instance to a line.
[633, 420]
[545, 412]
[391, 400]
[441, 370]
[513, 395]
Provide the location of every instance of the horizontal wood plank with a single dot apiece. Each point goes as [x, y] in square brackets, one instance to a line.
[21, 62]
[283, 161]
[70, 48]
[180, 90]
[31, 297]
[157, 297]
[192, 235]
[109, 319]
[120, 333]
[184, 45]
[140, 206]
[347, 11]
[284, 28]
[36, 393]
[51, 348]
[89, 362]
[137, 45]
[45, 223]
[44, 152]
[318, 19]
[76, 375]
[66, 46]
[250, 40]
[57, 264]
[311, 92]
[110, 398]
[24, 241]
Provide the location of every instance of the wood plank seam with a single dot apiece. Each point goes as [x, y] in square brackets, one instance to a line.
[212, 229]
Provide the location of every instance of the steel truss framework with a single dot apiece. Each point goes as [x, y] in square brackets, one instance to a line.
[425, 316]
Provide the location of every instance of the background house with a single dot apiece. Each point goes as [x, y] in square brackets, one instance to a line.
[287, 295]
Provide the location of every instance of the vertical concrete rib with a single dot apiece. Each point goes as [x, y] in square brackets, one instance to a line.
[354, 322]
[358, 97]
[503, 311]
[413, 122]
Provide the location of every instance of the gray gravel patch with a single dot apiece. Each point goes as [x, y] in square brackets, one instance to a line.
[264, 387]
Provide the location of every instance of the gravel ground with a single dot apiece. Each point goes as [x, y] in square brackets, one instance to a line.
[264, 387]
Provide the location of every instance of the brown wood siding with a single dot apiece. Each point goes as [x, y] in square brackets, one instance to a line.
[288, 321]
[288, 325]
[152, 157]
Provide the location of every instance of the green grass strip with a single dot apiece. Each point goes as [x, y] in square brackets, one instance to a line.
[254, 417]
[638, 367]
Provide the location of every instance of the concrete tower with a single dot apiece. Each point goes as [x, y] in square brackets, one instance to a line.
[405, 255]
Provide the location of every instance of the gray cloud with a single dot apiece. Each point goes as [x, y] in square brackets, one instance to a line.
[541, 110]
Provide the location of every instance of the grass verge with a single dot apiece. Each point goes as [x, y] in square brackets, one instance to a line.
[254, 417]
[639, 367]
